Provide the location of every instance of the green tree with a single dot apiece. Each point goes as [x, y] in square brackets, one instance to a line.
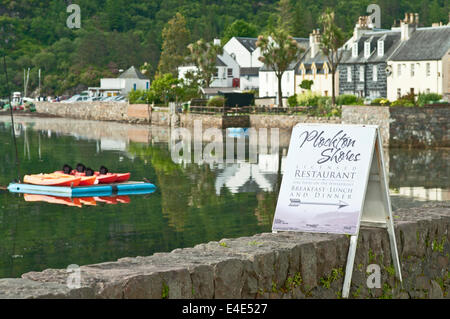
[285, 16]
[278, 51]
[174, 48]
[164, 88]
[331, 41]
[115, 13]
[204, 56]
[239, 28]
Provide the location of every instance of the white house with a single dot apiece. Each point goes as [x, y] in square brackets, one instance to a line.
[227, 70]
[246, 54]
[130, 80]
[421, 64]
[268, 81]
[244, 51]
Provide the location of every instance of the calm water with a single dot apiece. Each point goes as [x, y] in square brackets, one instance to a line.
[193, 203]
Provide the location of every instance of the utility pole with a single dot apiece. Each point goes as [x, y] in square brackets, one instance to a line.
[26, 83]
[39, 75]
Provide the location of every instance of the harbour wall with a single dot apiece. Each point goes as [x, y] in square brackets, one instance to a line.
[282, 265]
[411, 127]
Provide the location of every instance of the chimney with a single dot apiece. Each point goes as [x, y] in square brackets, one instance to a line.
[216, 41]
[362, 27]
[314, 42]
[408, 25]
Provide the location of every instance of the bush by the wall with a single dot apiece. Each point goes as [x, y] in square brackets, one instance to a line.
[349, 99]
[217, 101]
[428, 98]
[308, 98]
[292, 100]
[380, 101]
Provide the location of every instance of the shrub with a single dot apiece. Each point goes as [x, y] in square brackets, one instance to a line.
[217, 101]
[306, 84]
[403, 102]
[292, 100]
[380, 101]
[407, 100]
[308, 99]
[140, 97]
[349, 99]
[428, 98]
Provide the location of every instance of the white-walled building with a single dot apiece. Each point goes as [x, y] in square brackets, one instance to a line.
[421, 64]
[268, 81]
[226, 74]
[244, 51]
[130, 80]
[246, 54]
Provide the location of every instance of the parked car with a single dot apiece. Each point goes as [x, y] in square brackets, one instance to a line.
[107, 98]
[77, 98]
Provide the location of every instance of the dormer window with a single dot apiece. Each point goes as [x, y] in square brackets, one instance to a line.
[380, 48]
[355, 50]
[366, 49]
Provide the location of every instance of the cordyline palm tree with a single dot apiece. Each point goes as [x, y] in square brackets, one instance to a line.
[331, 41]
[204, 55]
[278, 51]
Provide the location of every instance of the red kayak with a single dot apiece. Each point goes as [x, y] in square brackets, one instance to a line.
[105, 178]
[122, 177]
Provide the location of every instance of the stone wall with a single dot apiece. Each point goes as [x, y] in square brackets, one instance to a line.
[287, 121]
[282, 265]
[412, 127]
[102, 111]
[373, 115]
[399, 126]
[420, 127]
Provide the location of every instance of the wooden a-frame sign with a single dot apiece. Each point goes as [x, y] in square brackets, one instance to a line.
[334, 182]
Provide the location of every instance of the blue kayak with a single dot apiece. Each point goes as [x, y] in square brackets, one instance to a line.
[128, 188]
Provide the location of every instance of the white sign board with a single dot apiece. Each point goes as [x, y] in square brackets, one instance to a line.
[334, 181]
[325, 179]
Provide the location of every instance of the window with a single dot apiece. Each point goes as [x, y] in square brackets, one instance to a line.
[326, 93]
[380, 48]
[267, 77]
[349, 74]
[230, 73]
[361, 73]
[355, 50]
[134, 86]
[399, 69]
[375, 73]
[366, 49]
[216, 73]
[399, 93]
[147, 85]
[428, 69]
[287, 77]
[412, 69]
[428, 91]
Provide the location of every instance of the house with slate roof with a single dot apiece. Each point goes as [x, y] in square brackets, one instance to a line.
[314, 66]
[227, 69]
[268, 81]
[421, 63]
[246, 54]
[363, 69]
[130, 80]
